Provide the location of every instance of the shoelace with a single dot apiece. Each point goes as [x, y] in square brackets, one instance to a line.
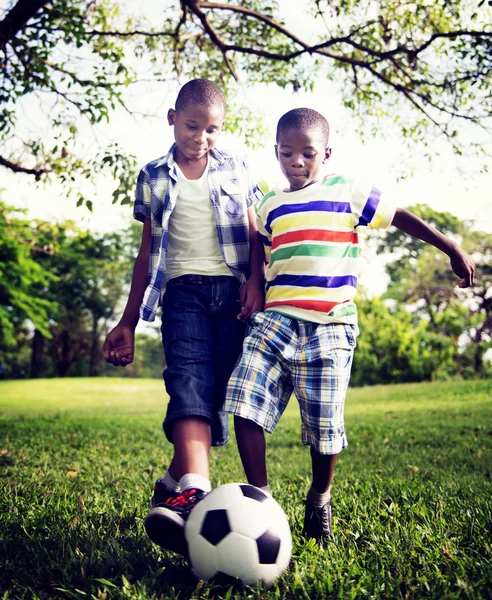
[320, 513]
[182, 499]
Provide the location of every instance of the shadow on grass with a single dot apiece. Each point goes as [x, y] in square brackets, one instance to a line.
[59, 558]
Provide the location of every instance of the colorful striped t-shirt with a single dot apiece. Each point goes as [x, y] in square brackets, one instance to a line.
[311, 240]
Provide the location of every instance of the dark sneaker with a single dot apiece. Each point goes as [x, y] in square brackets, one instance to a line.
[161, 493]
[317, 522]
[166, 519]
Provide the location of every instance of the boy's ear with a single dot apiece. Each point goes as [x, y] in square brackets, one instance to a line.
[276, 151]
[327, 155]
[171, 116]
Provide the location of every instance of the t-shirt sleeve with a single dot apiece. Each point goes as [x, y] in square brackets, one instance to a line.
[141, 207]
[370, 207]
[264, 230]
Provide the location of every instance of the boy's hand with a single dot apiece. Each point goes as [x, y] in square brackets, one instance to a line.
[463, 266]
[252, 298]
[119, 346]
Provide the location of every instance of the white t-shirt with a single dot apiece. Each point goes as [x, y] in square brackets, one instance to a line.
[193, 244]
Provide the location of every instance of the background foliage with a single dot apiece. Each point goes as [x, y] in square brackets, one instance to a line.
[63, 288]
[69, 66]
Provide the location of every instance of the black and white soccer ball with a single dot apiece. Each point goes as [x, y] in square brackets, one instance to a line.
[239, 531]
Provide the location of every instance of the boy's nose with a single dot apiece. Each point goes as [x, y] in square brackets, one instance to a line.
[201, 137]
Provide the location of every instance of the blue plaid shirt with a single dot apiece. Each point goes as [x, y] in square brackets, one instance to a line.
[231, 193]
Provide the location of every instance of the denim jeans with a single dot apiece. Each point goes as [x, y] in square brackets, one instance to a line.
[202, 340]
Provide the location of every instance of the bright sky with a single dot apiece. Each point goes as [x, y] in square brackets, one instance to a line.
[438, 184]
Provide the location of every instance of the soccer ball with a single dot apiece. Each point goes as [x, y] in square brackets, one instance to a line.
[239, 531]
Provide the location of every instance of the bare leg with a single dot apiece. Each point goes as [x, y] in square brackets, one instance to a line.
[164, 523]
[323, 466]
[252, 449]
[192, 438]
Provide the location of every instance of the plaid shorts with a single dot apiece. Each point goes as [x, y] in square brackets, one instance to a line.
[282, 355]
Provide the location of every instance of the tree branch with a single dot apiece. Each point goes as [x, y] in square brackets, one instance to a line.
[20, 169]
[196, 5]
[17, 18]
[409, 88]
[214, 36]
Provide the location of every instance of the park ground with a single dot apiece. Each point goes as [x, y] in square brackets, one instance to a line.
[411, 497]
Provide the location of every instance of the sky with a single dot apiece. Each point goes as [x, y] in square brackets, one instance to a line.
[446, 184]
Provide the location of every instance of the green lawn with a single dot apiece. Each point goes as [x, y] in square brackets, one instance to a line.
[411, 499]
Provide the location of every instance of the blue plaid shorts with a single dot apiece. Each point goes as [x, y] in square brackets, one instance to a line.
[282, 356]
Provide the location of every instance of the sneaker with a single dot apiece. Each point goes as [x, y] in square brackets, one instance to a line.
[317, 522]
[167, 516]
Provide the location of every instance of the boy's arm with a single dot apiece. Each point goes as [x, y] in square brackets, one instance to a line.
[119, 345]
[252, 293]
[461, 263]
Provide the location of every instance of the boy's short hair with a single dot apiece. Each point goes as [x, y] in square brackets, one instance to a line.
[200, 91]
[305, 119]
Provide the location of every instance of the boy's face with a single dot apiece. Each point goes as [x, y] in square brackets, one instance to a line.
[301, 154]
[196, 129]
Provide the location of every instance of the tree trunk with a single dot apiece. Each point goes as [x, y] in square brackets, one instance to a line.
[95, 358]
[63, 354]
[478, 359]
[37, 349]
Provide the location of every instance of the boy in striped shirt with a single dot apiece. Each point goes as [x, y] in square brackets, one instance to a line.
[305, 339]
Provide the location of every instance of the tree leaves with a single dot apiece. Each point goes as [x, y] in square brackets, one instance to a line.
[420, 69]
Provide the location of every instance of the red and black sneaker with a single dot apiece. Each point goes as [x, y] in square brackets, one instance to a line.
[161, 493]
[166, 518]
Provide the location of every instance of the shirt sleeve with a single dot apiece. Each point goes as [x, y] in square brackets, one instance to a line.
[369, 207]
[141, 208]
[254, 194]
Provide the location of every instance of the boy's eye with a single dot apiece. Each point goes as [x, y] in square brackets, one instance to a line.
[309, 155]
[286, 154]
[191, 127]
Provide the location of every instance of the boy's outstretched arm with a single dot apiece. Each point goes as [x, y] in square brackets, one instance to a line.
[252, 293]
[461, 263]
[119, 345]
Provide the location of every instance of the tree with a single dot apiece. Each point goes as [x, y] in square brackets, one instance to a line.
[91, 272]
[392, 348]
[421, 276]
[426, 67]
[479, 244]
[59, 287]
[20, 275]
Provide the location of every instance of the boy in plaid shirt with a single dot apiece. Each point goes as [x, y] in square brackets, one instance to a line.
[305, 339]
[200, 244]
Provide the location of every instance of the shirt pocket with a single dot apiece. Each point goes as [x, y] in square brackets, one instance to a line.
[232, 198]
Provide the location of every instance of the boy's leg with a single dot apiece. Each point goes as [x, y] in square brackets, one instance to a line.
[317, 516]
[252, 450]
[323, 466]
[192, 440]
[260, 388]
[189, 380]
[228, 336]
[321, 377]
[202, 338]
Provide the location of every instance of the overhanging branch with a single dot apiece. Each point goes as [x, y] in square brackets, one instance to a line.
[16, 168]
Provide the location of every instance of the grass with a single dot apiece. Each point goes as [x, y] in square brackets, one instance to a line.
[411, 498]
